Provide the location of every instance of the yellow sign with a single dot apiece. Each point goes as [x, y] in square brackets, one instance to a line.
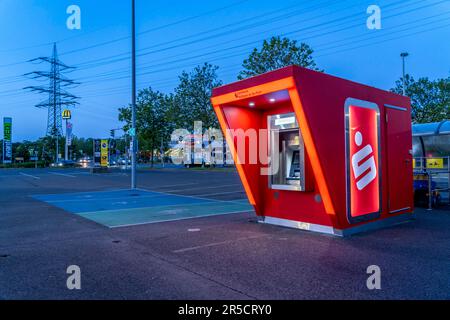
[414, 163]
[435, 163]
[104, 153]
[66, 115]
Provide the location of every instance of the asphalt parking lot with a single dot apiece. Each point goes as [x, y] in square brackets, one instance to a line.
[221, 256]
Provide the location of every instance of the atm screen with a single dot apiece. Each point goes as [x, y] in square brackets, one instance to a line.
[295, 166]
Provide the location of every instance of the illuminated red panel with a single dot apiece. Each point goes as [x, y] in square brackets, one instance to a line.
[363, 161]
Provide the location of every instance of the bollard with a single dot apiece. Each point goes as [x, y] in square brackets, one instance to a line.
[430, 194]
[448, 177]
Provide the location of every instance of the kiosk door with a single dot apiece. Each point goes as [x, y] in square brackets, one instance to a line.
[399, 161]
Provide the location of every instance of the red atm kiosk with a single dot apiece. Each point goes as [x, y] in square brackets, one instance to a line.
[317, 152]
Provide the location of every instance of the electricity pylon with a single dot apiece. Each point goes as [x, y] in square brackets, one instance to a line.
[57, 96]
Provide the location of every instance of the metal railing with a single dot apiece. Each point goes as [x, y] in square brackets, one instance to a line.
[436, 169]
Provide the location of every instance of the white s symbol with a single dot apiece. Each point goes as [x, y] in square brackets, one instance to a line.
[368, 165]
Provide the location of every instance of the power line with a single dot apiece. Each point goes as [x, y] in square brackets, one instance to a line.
[264, 22]
[228, 49]
[417, 21]
[105, 76]
[222, 34]
[304, 10]
[114, 40]
[155, 28]
[143, 66]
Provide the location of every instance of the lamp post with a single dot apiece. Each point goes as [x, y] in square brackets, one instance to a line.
[133, 95]
[403, 55]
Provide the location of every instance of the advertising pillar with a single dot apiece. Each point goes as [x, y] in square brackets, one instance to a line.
[67, 115]
[97, 152]
[104, 153]
[7, 140]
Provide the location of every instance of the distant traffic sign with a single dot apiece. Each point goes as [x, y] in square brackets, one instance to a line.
[435, 163]
[132, 132]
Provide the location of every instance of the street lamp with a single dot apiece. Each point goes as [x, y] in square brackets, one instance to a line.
[403, 55]
[133, 95]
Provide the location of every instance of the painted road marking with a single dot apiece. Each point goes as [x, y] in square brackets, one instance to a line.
[178, 185]
[29, 175]
[215, 244]
[203, 187]
[220, 193]
[172, 220]
[188, 196]
[62, 174]
[124, 208]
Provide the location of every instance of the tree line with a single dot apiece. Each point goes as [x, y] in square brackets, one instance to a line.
[158, 113]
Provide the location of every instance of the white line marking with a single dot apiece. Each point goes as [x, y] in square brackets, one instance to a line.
[173, 220]
[220, 193]
[90, 195]
[168, 206]
[92, 198]
[62, 174]
[177, 185]
[203, 187]
[214, 244]
[182, 195]
[29, 175]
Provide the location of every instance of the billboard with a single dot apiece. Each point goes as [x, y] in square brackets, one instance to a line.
[7, 140]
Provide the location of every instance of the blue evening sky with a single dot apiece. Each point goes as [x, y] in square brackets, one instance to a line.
[178, 35]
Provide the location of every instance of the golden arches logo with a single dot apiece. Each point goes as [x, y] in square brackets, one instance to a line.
[66, 115]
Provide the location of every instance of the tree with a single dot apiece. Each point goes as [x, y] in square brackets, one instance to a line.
[191, 101]
[22, 150]
[82, 147]
[430, 100]
[277, 53]
[151, 119]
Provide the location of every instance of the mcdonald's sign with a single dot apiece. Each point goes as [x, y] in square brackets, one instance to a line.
[66, 115]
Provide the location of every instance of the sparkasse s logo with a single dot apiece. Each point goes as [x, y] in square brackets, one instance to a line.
[363, 187]
[364, 169]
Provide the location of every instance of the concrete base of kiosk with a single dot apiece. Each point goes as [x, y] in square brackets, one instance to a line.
[388, 222]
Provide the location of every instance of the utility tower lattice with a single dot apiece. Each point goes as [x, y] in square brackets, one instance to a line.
[57, 96]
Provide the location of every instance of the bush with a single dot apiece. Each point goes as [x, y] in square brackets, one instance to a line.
[40, 164]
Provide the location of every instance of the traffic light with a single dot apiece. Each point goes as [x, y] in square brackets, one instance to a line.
[112, 133]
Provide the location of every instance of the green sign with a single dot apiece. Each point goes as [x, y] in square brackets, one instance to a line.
[7, 140]
[7, 131]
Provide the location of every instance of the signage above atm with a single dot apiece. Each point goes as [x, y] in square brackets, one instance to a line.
[258, 90]
[247, 94]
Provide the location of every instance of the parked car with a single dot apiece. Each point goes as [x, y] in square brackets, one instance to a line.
[84, 162]
[63, 164]
[124, 161]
